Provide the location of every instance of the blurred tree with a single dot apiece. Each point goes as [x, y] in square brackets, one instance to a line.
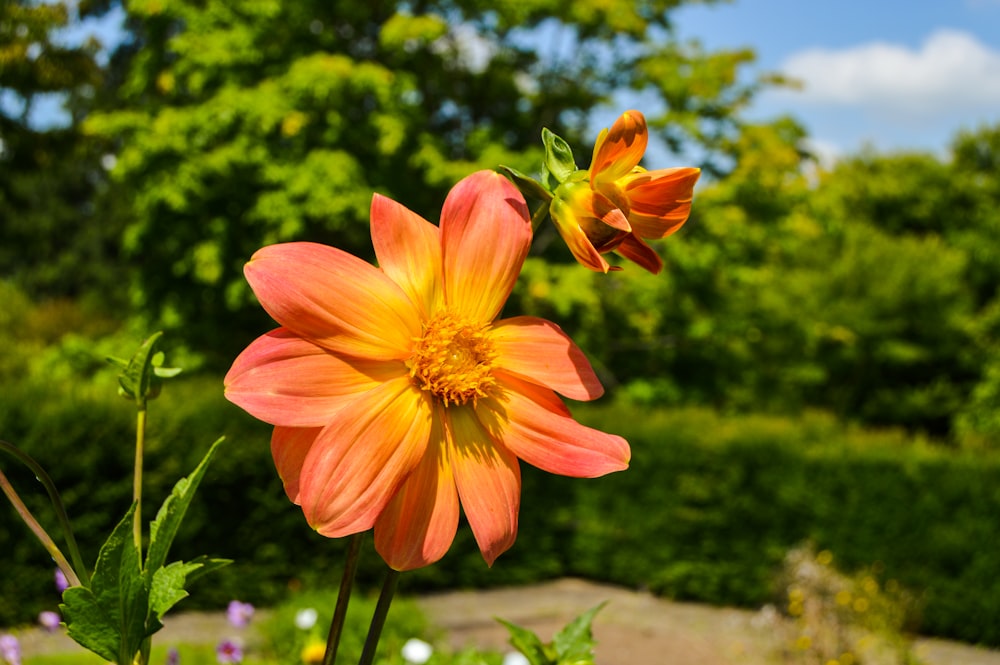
[53, 239]
[264, 121]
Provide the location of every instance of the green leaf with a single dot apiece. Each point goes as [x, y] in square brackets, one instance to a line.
[88, 623]
[109, 617]
[529, 186]
[168, 520]
[574, 644]
[168, 587]
[559, 162]
[528, 644]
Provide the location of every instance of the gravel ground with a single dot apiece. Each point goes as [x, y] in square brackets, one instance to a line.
[634, 628]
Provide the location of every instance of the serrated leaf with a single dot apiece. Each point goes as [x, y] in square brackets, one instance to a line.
[575, 642]
[528, 644]
[169, 586]
[109, 617]
[528, 186]
[168, 519]
[88, 623]
[559, 162]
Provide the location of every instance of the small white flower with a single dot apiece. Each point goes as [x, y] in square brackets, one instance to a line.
[417, 651]
[305, 618]
[515, 658]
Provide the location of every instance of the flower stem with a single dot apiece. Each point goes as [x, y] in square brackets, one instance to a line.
[140, 439]
[378, 619]
[39, 532]
[343, 598]
[57, 505]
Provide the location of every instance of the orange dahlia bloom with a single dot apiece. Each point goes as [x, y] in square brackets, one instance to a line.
[395, 393]
[617, 204]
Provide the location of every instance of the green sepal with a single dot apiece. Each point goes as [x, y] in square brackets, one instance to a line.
[529, 187]
[109, 617]
[168, 518]
[559, 162]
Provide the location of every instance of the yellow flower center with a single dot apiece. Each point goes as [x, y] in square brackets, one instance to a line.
[454, 359]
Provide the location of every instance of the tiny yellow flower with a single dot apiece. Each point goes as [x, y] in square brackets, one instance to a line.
[312, 653]
[824, 558]
[843, 597]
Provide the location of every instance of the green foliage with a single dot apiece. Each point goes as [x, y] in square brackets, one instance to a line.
[573, 645]
[236, 129]
[122, 606]
[284, 642]
[54, 238]
[721, 500]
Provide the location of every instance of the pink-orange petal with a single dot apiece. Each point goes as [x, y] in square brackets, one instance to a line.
[486, 233]
[289, 447]
[334, 299]
[488, 480]
[635, 250]
[540, 352]
[285, 380]
[619, 149]
[579, 245]
[540, 430]
[419, 524]
[660, 200]
[359, 461]
[408, 249]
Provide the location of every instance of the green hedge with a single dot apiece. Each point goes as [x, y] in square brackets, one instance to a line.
[706, 512]
[711, 505]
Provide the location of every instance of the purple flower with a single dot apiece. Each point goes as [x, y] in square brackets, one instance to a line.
[10, 650]
[229, 652]
[173, 657]
[239, 614]
[61, 583]
[49, 621]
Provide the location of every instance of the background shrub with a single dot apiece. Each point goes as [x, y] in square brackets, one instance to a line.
[706, 512]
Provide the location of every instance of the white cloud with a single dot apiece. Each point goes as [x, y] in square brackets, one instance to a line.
[952, 71]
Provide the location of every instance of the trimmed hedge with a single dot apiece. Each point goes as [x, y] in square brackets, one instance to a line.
[715, 503]
[707, 511]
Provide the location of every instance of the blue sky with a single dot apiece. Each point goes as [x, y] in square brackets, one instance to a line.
[886, 74]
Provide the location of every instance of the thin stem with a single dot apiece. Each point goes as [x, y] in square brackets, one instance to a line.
[140, 439]
[343, 598]
[378, 619]
[57, 505]
[39, 532]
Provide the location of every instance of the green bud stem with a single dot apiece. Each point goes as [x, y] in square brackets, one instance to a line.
[140, 438]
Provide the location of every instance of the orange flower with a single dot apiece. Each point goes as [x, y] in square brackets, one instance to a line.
[617, 204]
[394, 392]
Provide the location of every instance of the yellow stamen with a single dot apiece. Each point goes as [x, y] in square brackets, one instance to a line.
[454, 359]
